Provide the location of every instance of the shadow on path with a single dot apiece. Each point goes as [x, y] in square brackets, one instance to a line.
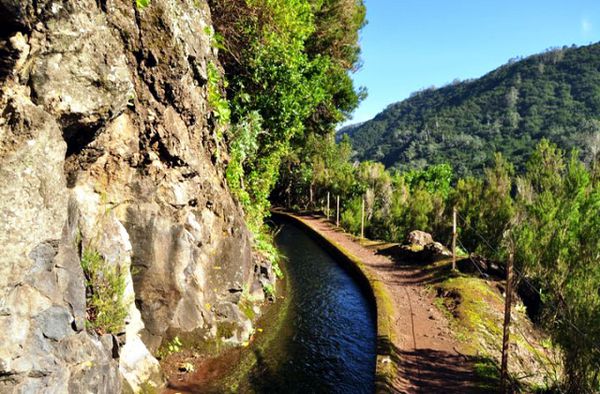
[434, 371]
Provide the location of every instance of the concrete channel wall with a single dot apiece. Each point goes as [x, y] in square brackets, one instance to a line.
[385, 369]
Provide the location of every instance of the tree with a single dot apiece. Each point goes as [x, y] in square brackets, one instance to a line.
[286, 67]
[558, 242]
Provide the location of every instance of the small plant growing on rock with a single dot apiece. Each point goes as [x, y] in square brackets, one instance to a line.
[141, 4]
[173, 346]
[216, 100]
[269, 290]
[265, 245]
[106, 307]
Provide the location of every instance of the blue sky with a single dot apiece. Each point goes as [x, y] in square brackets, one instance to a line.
[412, 44]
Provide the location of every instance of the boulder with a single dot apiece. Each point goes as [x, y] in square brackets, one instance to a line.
[419, 247]
[418, 238]
[436, 251]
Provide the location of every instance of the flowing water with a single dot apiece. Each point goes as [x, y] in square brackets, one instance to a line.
[328, 341]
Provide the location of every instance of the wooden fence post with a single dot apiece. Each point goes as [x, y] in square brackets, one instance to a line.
[327, 206]
[454, 239]
[337, 214]
[506, 335]
[362, 218]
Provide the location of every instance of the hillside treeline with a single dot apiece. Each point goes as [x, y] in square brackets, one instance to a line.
[553, 95]
[548, 215]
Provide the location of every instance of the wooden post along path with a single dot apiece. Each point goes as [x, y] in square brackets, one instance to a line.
[506, 334]
[337, 213]
[362, 218]
[454, 239]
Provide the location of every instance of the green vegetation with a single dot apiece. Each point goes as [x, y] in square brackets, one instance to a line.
[269, 290]
[286, 85]
[488, 371]
[141, 4]
[218, 104]
[475, 309]
[106, 306]
[558, 243]
[246, 306]
[548, 214]
[265, 245]
[285, 81]
[554, 95]
[173, 346]
[286, 66]
[479, 309]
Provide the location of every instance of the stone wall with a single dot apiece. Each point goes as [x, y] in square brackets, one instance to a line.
[107, 142]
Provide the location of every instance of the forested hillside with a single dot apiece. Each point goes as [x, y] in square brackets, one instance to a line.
[554, 95]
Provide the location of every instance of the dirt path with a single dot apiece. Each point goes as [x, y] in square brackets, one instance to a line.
[425, 349]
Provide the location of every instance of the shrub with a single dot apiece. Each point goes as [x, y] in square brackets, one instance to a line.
[106, 306]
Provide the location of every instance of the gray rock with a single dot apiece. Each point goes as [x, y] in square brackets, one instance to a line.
[55, 322]
[106, 142]
[42, 256]
[436, 251]
[418, 248]
[419, 238]
[79, 73]
[94, 370]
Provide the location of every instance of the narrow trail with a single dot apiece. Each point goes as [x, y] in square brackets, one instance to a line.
[425, 349]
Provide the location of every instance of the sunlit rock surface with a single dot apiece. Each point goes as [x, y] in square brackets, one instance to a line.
[106, 142]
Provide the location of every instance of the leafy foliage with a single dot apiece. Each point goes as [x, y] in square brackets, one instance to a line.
[217, 103]
[558, 242]
[141, 4]
[105, 293]
[435, 178]
[554, 95]
[549, 214]
[286, 65]
[265, 244]
[171, 347]
[486, 207]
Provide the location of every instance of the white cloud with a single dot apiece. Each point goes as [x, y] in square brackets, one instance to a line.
[586, 26]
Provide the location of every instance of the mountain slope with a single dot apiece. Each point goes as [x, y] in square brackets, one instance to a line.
[555, 95]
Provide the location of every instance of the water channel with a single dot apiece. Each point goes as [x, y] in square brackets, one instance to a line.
[327, 343]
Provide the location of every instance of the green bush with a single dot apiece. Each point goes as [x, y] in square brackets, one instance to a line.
[351, 215]
[106, 306]
[264, 243]
[171, 347]
[286, 66]
[141, 4]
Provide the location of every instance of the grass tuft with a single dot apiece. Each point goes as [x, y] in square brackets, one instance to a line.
[141, 4]
[105, 294]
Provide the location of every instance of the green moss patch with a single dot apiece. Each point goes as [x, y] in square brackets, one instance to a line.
[475, 309]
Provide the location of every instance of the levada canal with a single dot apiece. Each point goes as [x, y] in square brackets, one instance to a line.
[327, 342]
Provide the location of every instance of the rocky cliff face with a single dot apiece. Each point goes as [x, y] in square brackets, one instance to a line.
[107, 143]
